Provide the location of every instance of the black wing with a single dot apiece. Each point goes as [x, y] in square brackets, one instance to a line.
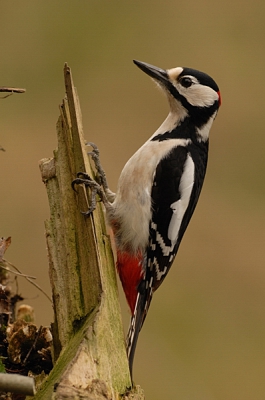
[176, 188]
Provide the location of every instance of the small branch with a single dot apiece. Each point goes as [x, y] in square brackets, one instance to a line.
[11, 89]
[15, 383]
[27, 277]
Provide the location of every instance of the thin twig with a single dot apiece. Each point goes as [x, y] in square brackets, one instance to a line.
[14, 272]
[7, 95]
[29, 280]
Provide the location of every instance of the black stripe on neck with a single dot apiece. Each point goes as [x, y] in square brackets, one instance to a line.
[185, 130]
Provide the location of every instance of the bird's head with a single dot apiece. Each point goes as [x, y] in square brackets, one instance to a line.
[189, 90]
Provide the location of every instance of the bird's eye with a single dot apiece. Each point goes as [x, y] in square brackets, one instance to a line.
[186, 81]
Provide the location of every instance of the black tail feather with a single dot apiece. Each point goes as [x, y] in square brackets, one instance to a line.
[141, 307]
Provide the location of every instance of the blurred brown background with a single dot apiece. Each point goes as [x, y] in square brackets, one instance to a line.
[204, 338]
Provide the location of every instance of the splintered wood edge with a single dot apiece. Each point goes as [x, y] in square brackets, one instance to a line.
[47, 169]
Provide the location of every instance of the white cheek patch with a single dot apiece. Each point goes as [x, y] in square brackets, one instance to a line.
[198, 95]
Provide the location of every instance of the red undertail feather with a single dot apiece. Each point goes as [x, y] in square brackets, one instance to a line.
[130, 271]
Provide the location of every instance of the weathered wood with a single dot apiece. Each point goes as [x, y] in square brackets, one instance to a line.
[90, 355]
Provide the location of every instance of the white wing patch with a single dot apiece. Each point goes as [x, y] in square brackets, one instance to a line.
[179, 207]
[175, 221]
[186, 182]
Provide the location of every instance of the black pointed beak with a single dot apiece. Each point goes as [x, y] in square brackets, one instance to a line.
[156, 73]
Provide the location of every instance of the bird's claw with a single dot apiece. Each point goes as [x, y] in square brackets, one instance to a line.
[84, 179]
[95, 152]
[88, 212]
[79, 181]
[98, 185]
[100, 175]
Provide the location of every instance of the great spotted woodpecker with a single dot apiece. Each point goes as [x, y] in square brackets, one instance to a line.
[158, 188]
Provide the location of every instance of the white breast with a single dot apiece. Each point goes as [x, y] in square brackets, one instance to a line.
[132, 207]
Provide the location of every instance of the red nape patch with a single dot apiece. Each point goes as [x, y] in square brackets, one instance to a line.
[130, 272]
[220, 98]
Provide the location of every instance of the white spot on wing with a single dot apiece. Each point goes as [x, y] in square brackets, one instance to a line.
[165, 249]
[153, 225]
[159, 273]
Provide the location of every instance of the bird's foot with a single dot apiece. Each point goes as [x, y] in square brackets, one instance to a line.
[95, 188]
[100, 173]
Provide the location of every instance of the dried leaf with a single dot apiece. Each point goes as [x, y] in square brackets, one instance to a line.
[26, 312]
[21, 342]
[4, 299]
[4, 244]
